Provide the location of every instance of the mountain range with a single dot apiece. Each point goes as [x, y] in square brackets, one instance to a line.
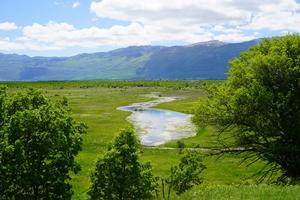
[204, 60]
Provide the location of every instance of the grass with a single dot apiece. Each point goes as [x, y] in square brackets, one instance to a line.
[206, 137]
[245, 192]
[95, 104]
[97, 108]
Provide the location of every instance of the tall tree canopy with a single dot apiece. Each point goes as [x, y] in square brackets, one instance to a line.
[38, 143]
[260, 103]
[119, 175]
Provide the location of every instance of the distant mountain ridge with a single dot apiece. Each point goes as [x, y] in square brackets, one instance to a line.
[203, 60]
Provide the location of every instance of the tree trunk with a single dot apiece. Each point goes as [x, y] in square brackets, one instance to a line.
[163, 187]
[36, 192]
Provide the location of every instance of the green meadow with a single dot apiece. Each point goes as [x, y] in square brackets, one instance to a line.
[95, 103]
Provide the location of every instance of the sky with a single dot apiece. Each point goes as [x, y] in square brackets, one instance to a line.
[69, 27]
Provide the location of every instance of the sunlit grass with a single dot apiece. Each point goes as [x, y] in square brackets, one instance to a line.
[95, 103]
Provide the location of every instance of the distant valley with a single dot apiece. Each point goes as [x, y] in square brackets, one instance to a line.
[204, 60]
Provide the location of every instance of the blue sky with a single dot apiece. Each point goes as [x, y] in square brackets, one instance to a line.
[69, 27]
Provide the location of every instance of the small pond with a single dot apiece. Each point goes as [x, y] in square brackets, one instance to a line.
[158, 126]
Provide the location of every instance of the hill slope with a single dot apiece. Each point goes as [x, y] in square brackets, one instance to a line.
[205, 60]
[199, 61]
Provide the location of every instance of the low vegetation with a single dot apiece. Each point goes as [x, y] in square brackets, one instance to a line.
[255, 112]
[96, 107]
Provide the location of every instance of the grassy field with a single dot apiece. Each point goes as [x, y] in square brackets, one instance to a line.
[95, 104]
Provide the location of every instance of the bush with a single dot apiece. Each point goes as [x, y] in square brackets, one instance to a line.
[119, 175]
[187, 173]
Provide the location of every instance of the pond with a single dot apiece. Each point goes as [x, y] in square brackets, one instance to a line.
[158, 126]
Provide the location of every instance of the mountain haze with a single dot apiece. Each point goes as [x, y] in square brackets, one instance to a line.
[204, 60]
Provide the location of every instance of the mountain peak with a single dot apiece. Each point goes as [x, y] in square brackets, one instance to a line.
[210, 43]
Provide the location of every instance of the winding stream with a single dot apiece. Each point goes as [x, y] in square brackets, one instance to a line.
[158, 126]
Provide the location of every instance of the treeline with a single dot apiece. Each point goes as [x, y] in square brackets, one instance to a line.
[173, 84]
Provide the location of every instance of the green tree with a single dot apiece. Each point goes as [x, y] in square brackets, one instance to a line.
[180, 146]
[119, 175]
[259, 104]
[38, 143]
[187, 173]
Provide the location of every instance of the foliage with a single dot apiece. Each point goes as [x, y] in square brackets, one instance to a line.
[176, 85]
[260, 104]
[119, 175]
[187, 173]
[180, 146]
[38, 143]
[96, 106]
[238, 191]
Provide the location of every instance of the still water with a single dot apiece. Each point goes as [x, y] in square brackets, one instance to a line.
[157, 126]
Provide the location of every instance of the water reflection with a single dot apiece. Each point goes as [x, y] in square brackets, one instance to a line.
[157, 126]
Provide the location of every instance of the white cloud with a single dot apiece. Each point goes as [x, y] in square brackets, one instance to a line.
[175, 11]
[75, 4]
[159, 21]
[54, 35]
[226, 16]
[63, 35]
[7, 26]
[184, 11]
[282, 21]
[7, 45]
[234, 37]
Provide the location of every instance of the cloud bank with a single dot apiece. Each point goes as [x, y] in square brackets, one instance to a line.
[162, 21]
